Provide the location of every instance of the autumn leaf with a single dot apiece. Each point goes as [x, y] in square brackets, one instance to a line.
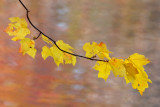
[131, 72]
[104, 69]
[96, 49]
[17, 28]
[141, 82]
[46, 52]
[118, 67]
[59, 56]
[27, 47]
[138, 77]
[138, 61]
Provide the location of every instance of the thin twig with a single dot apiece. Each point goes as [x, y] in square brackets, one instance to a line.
[34, 38]
[27, 14]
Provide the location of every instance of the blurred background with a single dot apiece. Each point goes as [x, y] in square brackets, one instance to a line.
[126, 26]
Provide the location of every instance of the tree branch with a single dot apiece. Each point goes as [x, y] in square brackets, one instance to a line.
[28, 18]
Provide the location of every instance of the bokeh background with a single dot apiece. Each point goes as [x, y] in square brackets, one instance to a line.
[126, 26]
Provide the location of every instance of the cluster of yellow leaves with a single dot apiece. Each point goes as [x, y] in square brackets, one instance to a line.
[58, 55]
[19, 30]
[131, 68]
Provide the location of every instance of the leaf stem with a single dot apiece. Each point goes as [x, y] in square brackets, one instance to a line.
[34, 38]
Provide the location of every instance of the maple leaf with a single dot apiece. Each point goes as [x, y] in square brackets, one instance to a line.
[104, 69]
[96, 49]
[138, 77]
[118, 67]
[17, 28]
[59, 56]
[131, 72]
[46, 52]
[27, 46]
[53, 52]
[138, 61]
[141, 82]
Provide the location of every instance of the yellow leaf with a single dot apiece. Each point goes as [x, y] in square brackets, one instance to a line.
[27, 46]
[90, 51]
[64, 46]
[141, 82]
[104, 69]
[131, 72]
[118, 67]
[32, 52]
[46, 52]
[59, 56]
[96, 49]
[136, 74]
[102, 48]
[69, 59]
[54, 52]
[138, 60]
[106, 55]
[21, 21]
[17, 28]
